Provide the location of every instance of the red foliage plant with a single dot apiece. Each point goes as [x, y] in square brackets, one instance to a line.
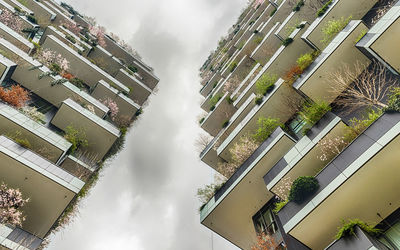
[15, 96]
[265, 242]
[293, 74]
[68, 76]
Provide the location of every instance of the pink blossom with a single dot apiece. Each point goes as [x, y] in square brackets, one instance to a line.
[11, 20]
[257, 3]
[10, 201]
[98, 32]
[112, 105]
[48, 57]
[72, 27]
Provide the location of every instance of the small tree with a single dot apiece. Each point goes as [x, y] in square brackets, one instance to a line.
[112, 105]
[265, 128]
[357, 88]
[77, 137]
[10, 203]
[15, 96]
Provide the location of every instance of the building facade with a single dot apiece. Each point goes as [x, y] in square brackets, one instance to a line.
[69, 93]
[299, 102]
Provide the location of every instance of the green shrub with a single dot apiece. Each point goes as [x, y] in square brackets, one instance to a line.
[266, 83]
[265, 128]
[70, 38]
[55, 68]
[332, 28]
[312, 112]
[360, 36]
[287, 41]
[394, 100]
[18, 138]
[77, 137]
[298, 6]
[241, 45]
[304, 61]
[215, 99]
[324, 8]
[258, 39]
[139, 112]
[357, 126]
[18, 9]
[302, 188]
[132, 68]
[348, 229]
[233, 66]
[279, 206]
[273, 12]
[78, 83]
[258, 100]
[225, 124]
[300, 26]
[32, 19]
[202, 120]
[229, 100]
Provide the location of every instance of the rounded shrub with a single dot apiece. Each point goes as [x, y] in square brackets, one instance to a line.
[302, 188]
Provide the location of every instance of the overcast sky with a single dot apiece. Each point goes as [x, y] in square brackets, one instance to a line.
[146, 198]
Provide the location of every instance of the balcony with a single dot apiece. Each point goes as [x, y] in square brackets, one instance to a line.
[126, 107]
[209, 154]
[225, 68]
[43, 14]
[42, 87]
[139, 92]
[316, 82]
[337, 9]
[51, 30]
[303, 158]
[80, 66]
[274, 105]
[49, 188]
[363, 179]
[15, 38]
[225, 213]
[382, 38]
[262, 17]
[40, 137]
[15, 3]
[243, 85]
[222, 112]
[205, 105]
[211, 84]
[7, 67]
[15, 238]
[100, 134]
[268, 46]
[281, 62]
[77, 167]
[149, 78]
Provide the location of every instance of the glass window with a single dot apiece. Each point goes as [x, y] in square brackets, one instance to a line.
[392, 236]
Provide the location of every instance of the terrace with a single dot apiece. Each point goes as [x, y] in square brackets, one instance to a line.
[380, 40]
[337, 9]
[49, 188]
[228, 202]
[367, 163]
[316, 82]
[100, 134]
[274, 105]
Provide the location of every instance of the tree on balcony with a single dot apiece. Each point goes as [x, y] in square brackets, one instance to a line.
[368, 88]
[10, 203]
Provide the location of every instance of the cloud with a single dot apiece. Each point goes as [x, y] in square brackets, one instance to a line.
[146, 197]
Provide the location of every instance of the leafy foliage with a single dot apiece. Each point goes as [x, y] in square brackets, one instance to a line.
[332, 28]
[348, 229]
[266, 83]
[265, 128]
[233, 66]
[324, 8]
[302, 188]
[287, 41]
[77, 137]
[394, 100]
[280, 205]
[312, 112]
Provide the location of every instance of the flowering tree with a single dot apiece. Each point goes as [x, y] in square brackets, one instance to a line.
[15, 96]
[11, 20]
[257, 3]
[239, 153]
[264, 242]
[73, 27]
[10, 202]
[112, 105]
[98, 32]
[56, 62]
[330, 147]
[231, 85]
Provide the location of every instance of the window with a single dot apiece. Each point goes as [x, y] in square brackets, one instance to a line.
[264, 221]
